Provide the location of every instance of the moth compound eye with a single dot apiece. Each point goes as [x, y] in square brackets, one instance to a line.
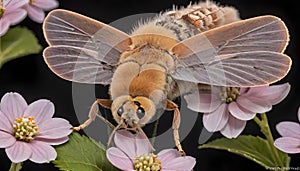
[137, 103]
[140, 112]
[120, 111]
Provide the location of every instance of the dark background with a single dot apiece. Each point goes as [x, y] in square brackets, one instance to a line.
[31, 77]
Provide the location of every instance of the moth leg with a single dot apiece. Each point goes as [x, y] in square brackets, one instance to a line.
[93, 113]
[175, 126]
[143, 133]
[113, 133]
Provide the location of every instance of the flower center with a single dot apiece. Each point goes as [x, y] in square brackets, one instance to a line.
[25, 129]
[31, 1]
[230, 94]
[147, 163]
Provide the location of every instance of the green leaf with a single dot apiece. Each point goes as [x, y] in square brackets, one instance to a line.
[18, 42]
[82, 154]
[253, 148]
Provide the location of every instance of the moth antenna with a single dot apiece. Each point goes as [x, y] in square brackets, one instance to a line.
[113, 133]
[143, 133]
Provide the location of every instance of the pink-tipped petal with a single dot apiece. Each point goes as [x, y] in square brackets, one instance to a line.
[233, 128]
[42, 110]
[5, 125]
[288, 144]
[288, 129]
[125, 141]
[6, 139]
[240, 112]
[216, 120]
[203, 101]
[12, 5]
[19, 152]
[13, 106]
[42, 152]
[185, 163]
[4, 26]
[168, 154]
[53, 141]
[274, 94]
[15, 16]
[142, 145]
[253, 104]
[35, 13]
[119, 159]
[46, 4]
[54, 128]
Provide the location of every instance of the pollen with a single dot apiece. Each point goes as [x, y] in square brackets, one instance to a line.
[147, 163]
[25, 128]
[230, 94]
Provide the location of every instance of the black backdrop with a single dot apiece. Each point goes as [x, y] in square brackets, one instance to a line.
[31, 77]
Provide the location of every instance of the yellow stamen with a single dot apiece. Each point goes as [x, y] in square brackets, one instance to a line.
[230, 94]
[147, 163]
[25, 129]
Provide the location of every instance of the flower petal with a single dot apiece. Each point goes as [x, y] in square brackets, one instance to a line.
[54, 128]
[42, 152]
[216, 120]
[233, 128]
[289, 129]
[19, 152]
[124, 140]
[5, 125]
[13, 106]
[4, 26]
[119, 159]
[288, 144]
[239, 112]
[35, 13]
[12, 5]
[15, 16]
[168, 154]
[253, 104]
[142, 145]
[274, 94]
[298, 114]
[186, 163]
[204, 101]
[42, 110]
[46, 4]
[53, 141]
[6, 139]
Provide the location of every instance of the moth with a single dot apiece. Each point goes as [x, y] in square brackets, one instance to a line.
[202, 44]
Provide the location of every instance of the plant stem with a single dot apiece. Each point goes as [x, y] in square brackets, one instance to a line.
[15, 166]
[265, 129]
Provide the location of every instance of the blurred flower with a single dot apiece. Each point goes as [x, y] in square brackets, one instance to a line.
[11, 13]
[290, 140]
[36, 8]
[134, 153]
[27, 131]
[227, 109]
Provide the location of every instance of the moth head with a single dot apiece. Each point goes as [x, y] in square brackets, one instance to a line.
[133, 111]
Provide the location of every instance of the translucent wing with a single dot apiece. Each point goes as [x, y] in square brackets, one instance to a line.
[82, 49]
[244, 53]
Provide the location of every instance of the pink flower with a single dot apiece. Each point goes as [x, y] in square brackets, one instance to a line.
[290, 140]
[227, 109]
[27, 131]
[36, 9]
[133, 152]
[11, 13]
